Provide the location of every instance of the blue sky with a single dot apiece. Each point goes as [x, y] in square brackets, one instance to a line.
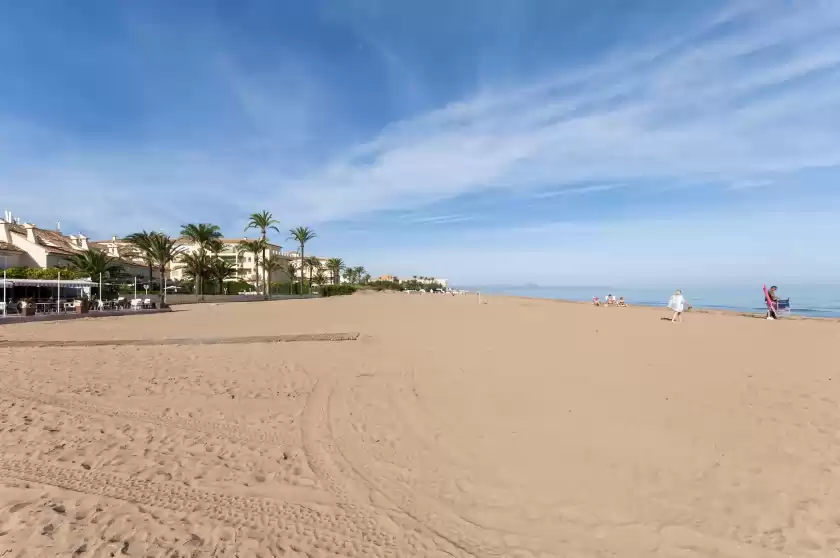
[487, 141]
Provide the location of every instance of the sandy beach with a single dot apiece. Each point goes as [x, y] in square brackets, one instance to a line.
[517, 428]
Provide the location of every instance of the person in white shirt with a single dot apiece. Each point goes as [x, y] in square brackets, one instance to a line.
[677, 304]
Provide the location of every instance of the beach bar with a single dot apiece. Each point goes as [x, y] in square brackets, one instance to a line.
[48, 295]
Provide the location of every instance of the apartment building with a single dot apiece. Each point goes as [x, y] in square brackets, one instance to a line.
[248, 269]
[27, 245]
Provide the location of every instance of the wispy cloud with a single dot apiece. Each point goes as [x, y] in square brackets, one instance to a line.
[750, 184]
[442, 219]
[730, 99]
[757, 96]
[572, 190]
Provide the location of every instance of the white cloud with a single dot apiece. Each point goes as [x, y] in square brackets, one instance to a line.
[442, 219]
[743, 94]
[723, 107]
[571, 190]
[750, 184]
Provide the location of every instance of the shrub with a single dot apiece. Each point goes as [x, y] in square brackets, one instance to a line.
[285, 288]
[337, 290]
[236, 287]
[385, 285]
[43, 273]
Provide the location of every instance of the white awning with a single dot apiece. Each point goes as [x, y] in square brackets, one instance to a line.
[48, 282]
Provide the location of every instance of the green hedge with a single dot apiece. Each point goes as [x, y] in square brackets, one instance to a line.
[236, 287]
[40, 273]
[385, 285]
[337, 290]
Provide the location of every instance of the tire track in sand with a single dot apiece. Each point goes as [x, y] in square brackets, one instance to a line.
[225, 430]
[339, 531]
[289, 338]
[323, 456]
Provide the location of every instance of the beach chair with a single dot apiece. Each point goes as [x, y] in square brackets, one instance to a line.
[147, 303]
[136, 303]
[775, 308]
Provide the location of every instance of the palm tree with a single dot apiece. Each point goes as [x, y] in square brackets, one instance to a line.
[197, 266]
[320, 278]
[335, 265]
[302, 235]
[358, 272]
[140, 244]
[206, 235]
[162, 250]
[263, 221]
[220, 270]
[312, 263]
[291, 270]
[94, 262]
[202, 234]
[348, 275]
[270, 265]
[256, 248]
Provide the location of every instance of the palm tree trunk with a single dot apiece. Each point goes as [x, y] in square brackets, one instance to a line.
[257, 271]
[266, 294]
[162, 291]
[302, 268]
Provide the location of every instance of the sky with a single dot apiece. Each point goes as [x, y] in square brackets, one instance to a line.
[553, 142]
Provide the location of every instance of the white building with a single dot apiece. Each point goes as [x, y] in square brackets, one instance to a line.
[427, 281]
[27, 245]
[248, 269]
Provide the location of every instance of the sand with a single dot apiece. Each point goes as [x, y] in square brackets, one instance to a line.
[518, 428]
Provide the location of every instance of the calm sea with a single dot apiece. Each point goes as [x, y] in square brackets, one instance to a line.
[815, 301]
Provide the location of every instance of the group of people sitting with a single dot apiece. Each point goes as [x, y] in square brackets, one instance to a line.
[609, 301]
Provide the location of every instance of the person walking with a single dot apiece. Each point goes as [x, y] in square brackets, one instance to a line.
[677, 304]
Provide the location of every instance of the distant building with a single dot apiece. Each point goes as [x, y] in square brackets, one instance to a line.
[421, 280]
[429, 281]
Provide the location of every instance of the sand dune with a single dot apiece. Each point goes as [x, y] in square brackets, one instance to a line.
[518, 428]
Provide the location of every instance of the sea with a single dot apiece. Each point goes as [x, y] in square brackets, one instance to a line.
[811, 301]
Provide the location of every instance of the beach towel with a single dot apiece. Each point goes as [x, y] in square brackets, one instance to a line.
[676, 303]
